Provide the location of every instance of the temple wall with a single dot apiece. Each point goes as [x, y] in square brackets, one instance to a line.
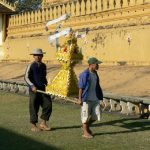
[119, 31]
[1, 36]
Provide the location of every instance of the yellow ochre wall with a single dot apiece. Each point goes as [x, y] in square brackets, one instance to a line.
[2, 34]
[118, 33]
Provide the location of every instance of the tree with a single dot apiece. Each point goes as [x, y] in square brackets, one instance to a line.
[26, 5]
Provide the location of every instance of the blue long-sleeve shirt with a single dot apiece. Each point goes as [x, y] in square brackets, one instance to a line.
[84, 84]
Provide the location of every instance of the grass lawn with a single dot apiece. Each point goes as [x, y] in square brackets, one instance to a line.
[114, 132]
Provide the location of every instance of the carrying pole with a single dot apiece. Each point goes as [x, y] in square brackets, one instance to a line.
[73, 100]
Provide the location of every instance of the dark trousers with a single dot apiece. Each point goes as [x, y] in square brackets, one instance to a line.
[37, 100]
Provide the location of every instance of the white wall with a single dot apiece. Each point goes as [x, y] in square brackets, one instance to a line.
[1, 30]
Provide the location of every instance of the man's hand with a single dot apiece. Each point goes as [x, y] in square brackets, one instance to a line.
[34, 89]
[80, 102]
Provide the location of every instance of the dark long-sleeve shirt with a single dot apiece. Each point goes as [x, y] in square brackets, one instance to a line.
[36, 75]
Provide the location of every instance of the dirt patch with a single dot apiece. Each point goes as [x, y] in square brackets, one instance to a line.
[126, 80]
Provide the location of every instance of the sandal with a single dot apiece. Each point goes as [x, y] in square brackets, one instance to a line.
[45, 127]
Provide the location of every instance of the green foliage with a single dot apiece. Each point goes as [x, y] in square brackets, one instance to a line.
[26, 5]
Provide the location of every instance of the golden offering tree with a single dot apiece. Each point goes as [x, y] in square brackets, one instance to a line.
[65, 84]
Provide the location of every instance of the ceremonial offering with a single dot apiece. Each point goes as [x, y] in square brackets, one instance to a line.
[65, 84]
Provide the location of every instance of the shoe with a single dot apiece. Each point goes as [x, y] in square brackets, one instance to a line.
[44, 127]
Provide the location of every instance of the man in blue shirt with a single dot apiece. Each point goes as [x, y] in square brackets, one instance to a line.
[35, 77]
[90, 94]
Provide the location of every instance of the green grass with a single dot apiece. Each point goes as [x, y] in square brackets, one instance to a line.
[114, 132]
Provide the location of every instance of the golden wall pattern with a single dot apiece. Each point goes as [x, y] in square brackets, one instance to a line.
[97, 10]
[112, 24]
[7, 4]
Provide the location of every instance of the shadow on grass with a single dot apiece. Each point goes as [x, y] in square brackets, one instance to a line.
[128, 123]
[122, 132]
[12, 141]
[67, 127]
[113, 123]
[132, 124]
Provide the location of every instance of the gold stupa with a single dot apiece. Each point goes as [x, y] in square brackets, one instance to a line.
[65, 84]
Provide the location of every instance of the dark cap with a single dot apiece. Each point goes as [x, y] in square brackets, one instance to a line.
[94, 60]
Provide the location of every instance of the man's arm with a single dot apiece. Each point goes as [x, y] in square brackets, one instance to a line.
[80, 96]
[45, 73]
[34, 89]
[82, 81]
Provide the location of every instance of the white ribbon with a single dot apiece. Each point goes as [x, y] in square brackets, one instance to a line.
[82, 36]
[59, 27]
[62, 18]
[58, 35]
[77, 35]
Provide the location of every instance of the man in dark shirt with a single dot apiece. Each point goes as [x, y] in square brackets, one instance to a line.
[35, 77]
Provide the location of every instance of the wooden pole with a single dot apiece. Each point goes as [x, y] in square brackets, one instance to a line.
[73, 100]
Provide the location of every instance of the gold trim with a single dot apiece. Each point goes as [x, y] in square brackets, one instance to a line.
[7, 4]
